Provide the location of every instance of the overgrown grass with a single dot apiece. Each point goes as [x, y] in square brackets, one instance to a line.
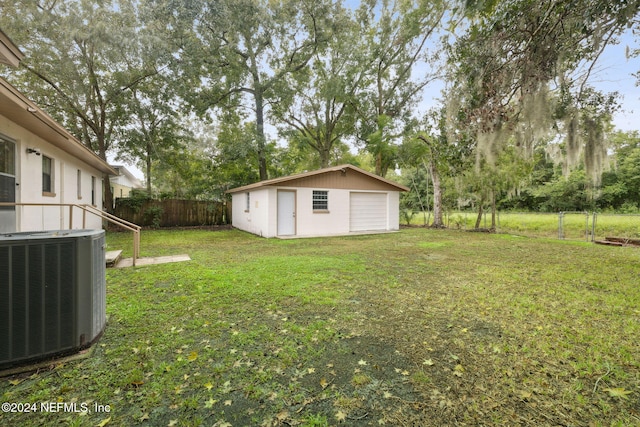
[575, 225]
[421, 327]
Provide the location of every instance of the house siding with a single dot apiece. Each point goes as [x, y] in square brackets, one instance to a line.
[64, 190]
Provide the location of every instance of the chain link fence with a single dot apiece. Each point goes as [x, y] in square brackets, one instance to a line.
[615, 225]
[586, 226]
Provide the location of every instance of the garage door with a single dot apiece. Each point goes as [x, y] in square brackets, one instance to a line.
[368, 211]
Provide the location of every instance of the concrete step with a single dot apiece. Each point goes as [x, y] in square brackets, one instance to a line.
[112, 258]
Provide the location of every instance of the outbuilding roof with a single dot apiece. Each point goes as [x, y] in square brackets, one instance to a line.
[294, 180]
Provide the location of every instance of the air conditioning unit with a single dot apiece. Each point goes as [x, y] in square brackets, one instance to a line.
[52, 294]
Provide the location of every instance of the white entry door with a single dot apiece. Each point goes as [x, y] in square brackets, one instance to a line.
[286, 213]
[368, 211]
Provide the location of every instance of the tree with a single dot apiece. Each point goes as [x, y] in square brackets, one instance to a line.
[82, 60]
[621, 185]
[396, 36]
[154, 133]
[321, 110]
[440, 154]
[234, 51]
[514, 53]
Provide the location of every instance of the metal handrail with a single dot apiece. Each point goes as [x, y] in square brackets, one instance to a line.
[95, 211]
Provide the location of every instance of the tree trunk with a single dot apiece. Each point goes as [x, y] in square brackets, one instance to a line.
[108, 194]
[480, 212]
[493, 210]
[324, 157]
[148, 167]
[437, 196]
[260, 138]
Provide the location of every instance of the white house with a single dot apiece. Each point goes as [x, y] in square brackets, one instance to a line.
[123, 182]
[333, 201]
[41, 163]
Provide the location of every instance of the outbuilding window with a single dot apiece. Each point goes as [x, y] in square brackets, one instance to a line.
[320, 200]
[248, 201]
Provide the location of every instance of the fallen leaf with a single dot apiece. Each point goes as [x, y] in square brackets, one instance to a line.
[209, 403]
[104, 422]
[172, 423]
[387, 395]
[144, 417]
[362, 362]
[458, 370]
[341, 416]
[15, 382]
[428, 362]
[525, 394]
[618, 392]
[208, 386]
[323, 383]
[311, 370]
[282, 415]
[228, 402]
[192, 356]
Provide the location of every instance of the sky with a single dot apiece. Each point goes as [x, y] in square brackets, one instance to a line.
[615, 74]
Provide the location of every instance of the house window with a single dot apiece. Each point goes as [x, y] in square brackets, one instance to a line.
[320, 200]
[93, 190]
[79, 183]
[47, 175]
[248, 200]
[7, 157]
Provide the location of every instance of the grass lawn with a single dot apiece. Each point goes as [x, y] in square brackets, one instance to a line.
[417, 328]
[575, 225]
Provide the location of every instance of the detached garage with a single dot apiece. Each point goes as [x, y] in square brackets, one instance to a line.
[334, 201]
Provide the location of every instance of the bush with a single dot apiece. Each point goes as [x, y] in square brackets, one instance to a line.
[154, 215]
[136, 199]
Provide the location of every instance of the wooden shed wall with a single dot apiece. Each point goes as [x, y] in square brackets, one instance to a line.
[349, 180]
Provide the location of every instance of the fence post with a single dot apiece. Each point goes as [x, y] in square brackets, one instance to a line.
[560, 230]
[586, 226]
[593, 226]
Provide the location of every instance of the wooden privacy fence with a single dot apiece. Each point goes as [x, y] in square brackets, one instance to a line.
[174, 212]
